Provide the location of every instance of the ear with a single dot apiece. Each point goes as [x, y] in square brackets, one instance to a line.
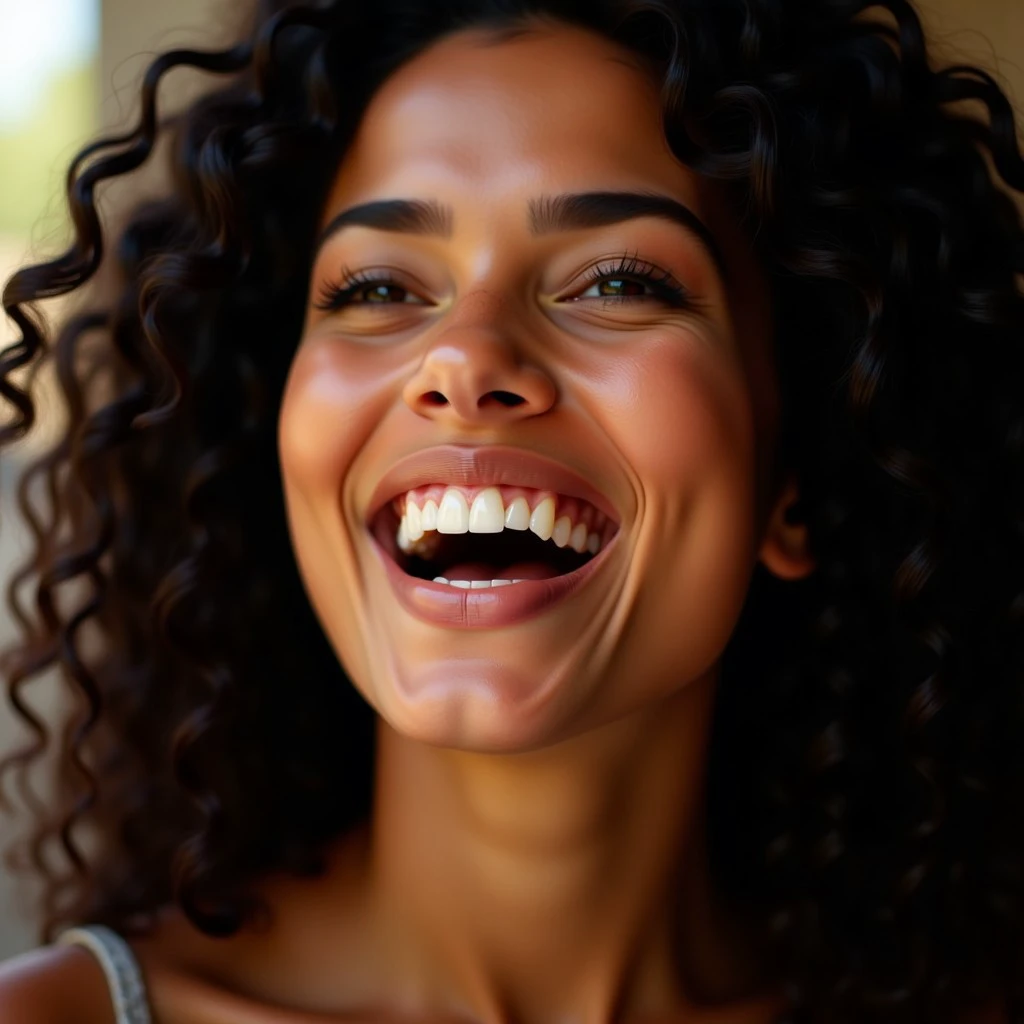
[785, 551]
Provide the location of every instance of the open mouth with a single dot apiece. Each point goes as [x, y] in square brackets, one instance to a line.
[489, 536]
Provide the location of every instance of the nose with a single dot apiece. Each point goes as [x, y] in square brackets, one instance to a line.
[472, 373]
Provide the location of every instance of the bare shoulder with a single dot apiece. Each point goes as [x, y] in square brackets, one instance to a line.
[54, 985]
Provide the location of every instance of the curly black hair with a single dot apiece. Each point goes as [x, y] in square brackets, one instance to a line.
[875, 828]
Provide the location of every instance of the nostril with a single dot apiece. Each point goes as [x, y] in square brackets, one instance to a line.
[506, 398]
[435, 398]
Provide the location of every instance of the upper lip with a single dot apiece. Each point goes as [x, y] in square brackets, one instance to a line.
[470, 466]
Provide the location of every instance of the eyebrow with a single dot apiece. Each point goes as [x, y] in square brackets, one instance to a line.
[569, 211]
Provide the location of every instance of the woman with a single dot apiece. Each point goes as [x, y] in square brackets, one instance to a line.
[554, 518]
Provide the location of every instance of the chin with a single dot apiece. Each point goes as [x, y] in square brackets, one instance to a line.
[473, 705]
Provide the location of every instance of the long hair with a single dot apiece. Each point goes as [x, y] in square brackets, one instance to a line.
[867, 762]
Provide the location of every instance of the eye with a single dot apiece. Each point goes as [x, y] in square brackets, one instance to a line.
[363, 288]
[632, 280]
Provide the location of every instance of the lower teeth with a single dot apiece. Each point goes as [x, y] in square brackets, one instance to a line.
[475, 584]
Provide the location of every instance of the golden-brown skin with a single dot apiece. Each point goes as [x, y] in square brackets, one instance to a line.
[538, 824]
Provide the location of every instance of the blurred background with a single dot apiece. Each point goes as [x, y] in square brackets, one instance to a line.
[70, 69]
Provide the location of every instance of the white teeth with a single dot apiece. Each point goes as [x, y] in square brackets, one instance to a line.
[453, 513]
[419, 528]
[578, 538]
[475, 584]
[560, 534]
[517, 515]
[403, 537]
[413, 521]
[429, 517]
[488, 513]
[543, 519]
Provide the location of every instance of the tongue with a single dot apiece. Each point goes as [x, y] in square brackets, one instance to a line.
[485, 571]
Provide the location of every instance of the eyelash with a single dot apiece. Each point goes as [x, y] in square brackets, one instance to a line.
[661, 282]
[338, 294]
[335, 295]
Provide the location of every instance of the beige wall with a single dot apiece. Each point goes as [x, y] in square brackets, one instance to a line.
[989, 33]
[986, 33]
[134, 31]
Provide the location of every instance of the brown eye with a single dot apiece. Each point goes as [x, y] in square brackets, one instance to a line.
[380, 293]
[363, 289]
[619, 286]
[630, 280]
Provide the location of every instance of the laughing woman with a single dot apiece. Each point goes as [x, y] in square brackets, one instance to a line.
[550, 483]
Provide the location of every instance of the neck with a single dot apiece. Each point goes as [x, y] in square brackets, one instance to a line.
[564, 883]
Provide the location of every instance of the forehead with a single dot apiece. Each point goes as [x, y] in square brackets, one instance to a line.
[557, 107]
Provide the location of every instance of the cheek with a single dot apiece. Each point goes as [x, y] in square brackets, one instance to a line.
[680, 413]
[333, 398]
[679, 410]
[331, 403]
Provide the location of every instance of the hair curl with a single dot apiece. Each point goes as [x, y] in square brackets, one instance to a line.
[876, 830]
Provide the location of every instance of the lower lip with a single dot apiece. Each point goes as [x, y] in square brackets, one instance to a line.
[485, 608]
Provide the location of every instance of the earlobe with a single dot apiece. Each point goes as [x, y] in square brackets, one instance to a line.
[785, 549]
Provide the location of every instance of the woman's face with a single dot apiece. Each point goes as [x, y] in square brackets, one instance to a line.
[510, 317]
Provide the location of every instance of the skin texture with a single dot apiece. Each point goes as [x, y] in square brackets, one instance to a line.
[522, 769]
[538, 823]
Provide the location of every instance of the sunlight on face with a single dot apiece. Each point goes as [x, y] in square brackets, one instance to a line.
[620, 344]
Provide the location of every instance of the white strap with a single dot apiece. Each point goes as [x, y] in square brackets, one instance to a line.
[124, 978]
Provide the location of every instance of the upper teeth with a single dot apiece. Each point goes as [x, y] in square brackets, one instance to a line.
[488, 513]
